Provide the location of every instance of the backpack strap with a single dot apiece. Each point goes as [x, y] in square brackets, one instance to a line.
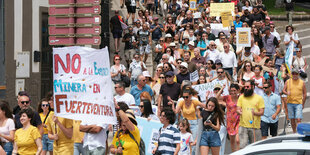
[119, 141]
[132, 137]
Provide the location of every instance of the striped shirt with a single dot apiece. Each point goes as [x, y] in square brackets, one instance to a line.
[168, 140]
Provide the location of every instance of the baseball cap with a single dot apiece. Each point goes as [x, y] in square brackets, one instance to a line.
[191, 43]
[184, 64]
[169, 73]
[168, 35]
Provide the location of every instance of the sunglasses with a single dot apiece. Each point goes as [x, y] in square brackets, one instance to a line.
[298, 51]
[162, 77]
[117, 59]
[141, 106]
[185, 97]
[161, 40]
[247, 87]
[218, 63]
[247, 66]
[24, 102]
[168, 76]
[212, 45]
[208, 63]
[182, 67]
[265, 87]
[45, 105]
[220, 72]
[116, 87]
[217, 89]
[137, 57]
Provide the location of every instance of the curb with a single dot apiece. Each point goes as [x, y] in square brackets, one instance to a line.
[295, 17]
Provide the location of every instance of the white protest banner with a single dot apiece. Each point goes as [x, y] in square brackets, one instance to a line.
[217, 8]
[194, 76]
[202, 89]
[244, 37]
[197, 15]
[149, 132]
[83, 85]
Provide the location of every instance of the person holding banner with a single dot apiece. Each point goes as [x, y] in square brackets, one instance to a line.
[127, 139]
[61, 131]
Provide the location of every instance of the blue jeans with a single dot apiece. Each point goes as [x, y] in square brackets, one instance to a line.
[193, 127]
[47, 144]
[294, 111]
[78, 149]
[8, 148]
[210, 138]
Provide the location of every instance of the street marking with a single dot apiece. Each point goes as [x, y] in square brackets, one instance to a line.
[305, 110]
[301, 38]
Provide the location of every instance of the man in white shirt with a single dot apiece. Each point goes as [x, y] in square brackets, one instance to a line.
[229, 60]
[212, 53]
[95, 137]
[122, 96]
[274, 32]
[254, 48]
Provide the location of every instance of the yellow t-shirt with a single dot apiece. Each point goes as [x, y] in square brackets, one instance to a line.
[189, 112]
[77, 134]
[255, 102]
[129, 145]
[25, 140]
[63, 145]
[42, 116]
[295, 87]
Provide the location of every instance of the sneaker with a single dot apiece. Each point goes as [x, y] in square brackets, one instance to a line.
[288, 122]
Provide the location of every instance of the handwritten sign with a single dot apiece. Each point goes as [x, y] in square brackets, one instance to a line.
[194, 76]
[244, 37]
[82, 84]
[226, 19]
[217, 8]
[192, 5]
[202, 89]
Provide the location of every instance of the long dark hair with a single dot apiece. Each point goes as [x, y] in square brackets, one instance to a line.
[185, 122]
[147, 108]
[4, 106]
[40, 105]
[218, 112]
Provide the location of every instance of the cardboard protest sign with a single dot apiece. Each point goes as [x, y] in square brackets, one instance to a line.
[244, 37]
[149, 132]
[192, 5]
[217, 8]
[226, 19]
[194, 76]
[83, 85]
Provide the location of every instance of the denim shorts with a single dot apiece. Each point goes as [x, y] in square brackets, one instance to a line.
[294, 111]
[210, 138]
[8, 148]
[47, 144]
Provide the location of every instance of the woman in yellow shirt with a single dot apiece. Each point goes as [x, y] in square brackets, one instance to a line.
[122, 142]
[44, 111]
[27, 139]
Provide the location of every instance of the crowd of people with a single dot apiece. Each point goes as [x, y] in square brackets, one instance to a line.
[259, 80]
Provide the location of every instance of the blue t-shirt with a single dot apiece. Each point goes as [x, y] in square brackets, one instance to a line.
[237, 24]
[156, 34]
[135, 92]
[202, 44]
[271, 103]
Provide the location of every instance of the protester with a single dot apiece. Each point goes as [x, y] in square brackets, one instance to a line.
[186, 136]
[7, 129]
[116, 29]
[269, 121]
[258, 80]
[131, 45]
[184, 73]
[136, 68]
[250, 107]
[122, 96]
[128, 134]
[290, 38]
[213, 117]
[169, 138]
[78, 137]
[232, 117]
[296, 92]
[136, 90]
[118, 69]
[147, 110]
[27, 140]
[45, 110]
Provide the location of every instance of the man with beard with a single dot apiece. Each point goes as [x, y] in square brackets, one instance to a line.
[184, 74]
[187, 58]
[250, 107]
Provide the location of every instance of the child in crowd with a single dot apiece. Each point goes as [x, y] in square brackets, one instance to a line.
[186, 137]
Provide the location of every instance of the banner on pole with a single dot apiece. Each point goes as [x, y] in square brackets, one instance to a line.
[83, 85]
[202, 89]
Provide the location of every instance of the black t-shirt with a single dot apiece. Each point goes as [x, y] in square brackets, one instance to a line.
[172, 90]
[186, 20]
[35, 121]
[257, 17]
[248, 19]
[116, 24]
[205, 114]
[211, 36]
[128, 44]
[181, 77]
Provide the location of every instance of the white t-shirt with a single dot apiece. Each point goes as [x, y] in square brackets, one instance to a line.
[276, 34]
[186, 139]
[255, 50]
[287, 38]
[5, 130]
[95, 140]
[212, 55]
[127, 98]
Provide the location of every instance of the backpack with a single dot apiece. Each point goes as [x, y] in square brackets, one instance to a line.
[141, 146]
